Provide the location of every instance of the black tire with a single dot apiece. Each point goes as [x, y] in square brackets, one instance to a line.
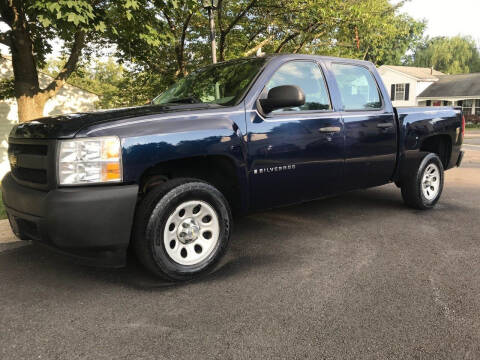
[412, 193]
[150, 221]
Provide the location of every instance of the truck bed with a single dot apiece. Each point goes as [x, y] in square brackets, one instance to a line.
[416, 124]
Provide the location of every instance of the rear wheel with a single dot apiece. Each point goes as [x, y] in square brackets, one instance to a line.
[423, 186]
[182, 229]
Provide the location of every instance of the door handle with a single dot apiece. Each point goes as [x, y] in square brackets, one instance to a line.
[330, 129]
[385, 125]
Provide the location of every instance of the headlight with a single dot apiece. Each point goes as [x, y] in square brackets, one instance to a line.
[90, 160]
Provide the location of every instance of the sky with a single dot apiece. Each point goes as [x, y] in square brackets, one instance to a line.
[447, 17]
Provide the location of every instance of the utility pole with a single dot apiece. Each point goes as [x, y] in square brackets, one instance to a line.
[211, 5]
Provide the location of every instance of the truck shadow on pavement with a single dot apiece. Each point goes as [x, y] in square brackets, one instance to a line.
[33, 263]
[249, 248]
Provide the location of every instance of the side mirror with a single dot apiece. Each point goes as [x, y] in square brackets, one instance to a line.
[281, 97]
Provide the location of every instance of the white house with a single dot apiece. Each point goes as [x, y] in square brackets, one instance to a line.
[413, 86]
[405, 84]
[455, 90]
[69, 99]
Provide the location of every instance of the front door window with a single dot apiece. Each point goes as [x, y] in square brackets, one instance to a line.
[307, 76]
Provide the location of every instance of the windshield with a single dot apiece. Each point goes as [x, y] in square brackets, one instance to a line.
[222, 84]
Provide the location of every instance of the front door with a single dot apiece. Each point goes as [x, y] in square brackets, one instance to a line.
[296, 154]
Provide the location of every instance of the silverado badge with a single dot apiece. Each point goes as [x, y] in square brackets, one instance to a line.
[273, 169]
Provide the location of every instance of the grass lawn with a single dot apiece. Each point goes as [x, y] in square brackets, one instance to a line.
[3, 214]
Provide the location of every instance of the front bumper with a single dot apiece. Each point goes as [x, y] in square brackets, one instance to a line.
[91, 223]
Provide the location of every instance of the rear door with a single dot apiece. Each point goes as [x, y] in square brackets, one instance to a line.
[369, 125]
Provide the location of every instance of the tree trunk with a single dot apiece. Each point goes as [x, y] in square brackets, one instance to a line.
[181, 69]
[30, 107]
[27, 89]
[30, 98]
[25, 72]
[221, 47]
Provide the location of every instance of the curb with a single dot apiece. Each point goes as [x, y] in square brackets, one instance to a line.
[473, 133]
[6, 234]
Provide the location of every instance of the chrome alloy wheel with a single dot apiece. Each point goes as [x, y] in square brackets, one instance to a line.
[191, 232]
[431, 182]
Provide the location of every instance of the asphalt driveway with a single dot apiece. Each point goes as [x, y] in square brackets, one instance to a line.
[357, 276]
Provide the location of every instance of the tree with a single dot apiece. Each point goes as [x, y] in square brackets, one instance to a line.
[158, 35]
[117, 85]
[162, 40]
[455, 55]
[31, 25]
[171, 37]
[382, 35]
[98, 76]
[363, 29]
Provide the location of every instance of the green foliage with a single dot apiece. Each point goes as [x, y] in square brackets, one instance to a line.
[152, 36]
[168, 39]
[160, 41]
[68, 11]
[58, 19]
[117, 86]
[7, 89]
[3, 212]
[370, 29]
[455, 55]
[61, 19]
[138, 88]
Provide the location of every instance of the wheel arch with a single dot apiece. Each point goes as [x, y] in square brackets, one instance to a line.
[221, 171]
[440, 144]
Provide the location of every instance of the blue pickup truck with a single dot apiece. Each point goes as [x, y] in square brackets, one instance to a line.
[232, 138]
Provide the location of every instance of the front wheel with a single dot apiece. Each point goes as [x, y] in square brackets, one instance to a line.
[424, 185]
[182, 229]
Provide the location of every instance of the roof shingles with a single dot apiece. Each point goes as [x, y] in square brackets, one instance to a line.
[417, 72]
[467, 85]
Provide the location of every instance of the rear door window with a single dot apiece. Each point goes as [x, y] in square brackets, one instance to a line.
[358, 88]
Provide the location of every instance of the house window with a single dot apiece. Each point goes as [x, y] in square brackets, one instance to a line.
[467, 106]
[400, 92]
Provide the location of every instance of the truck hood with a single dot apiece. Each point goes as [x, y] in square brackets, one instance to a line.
[66, 126]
